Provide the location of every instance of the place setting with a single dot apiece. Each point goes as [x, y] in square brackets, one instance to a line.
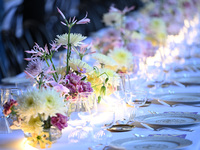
[173, 99]
[152, 142]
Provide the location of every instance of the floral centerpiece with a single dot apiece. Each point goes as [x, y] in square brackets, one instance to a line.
[44, 106]
[123, 40]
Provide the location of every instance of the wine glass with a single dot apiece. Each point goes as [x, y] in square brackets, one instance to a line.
[135, 99]
[4, 124]
[102, 121]
[156, 74]
[82, 109]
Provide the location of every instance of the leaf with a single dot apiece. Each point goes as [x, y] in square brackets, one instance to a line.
[99, 99]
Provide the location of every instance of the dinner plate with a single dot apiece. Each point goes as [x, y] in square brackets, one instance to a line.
[152, 143]
[170, 119]
[180, 98]
[14, 80]
[188, 80]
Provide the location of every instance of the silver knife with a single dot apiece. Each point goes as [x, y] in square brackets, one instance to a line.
[164, 103]
[147, 126]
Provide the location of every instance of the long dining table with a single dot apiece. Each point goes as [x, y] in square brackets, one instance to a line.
[16, 139]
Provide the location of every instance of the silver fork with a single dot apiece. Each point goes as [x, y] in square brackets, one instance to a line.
[161, 128]
[173, 105]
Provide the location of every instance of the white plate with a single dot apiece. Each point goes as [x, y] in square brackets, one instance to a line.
[152, 143]
[180, 98]
[188, 80]
[14, 80]
[170, 119]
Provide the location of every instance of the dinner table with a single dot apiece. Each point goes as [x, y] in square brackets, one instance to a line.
[159, 110]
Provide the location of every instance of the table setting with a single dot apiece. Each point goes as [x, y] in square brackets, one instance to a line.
[135, 86]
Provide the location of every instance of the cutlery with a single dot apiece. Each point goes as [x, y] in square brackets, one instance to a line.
[147, 126]
[138, 135]
[161, 128]
[152, 112]
[173, 105]
[164, 103]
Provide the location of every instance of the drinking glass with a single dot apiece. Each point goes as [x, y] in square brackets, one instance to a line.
[4, 124]
[83, 108]
[121, 85]
[156, 74]
[103, 120]
[135, 99]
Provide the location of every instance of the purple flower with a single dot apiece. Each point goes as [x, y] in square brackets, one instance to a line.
[75, 84]
[132, 25]
[84, 87]
[59, 121]
[8, 106]
[73, 78]
[35, 67]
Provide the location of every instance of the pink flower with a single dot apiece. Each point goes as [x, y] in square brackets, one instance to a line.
[73, 21]
[38, 51]
[84, 87]
[76, 85]
[84, 20]
[54, 46]
[59, 121]
[124, 11]
[35, 67]
[60, 12]
[8, 106]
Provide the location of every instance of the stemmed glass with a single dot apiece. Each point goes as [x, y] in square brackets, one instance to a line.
[4, 124]
[82, 109]
[135, 99]
[6, 95]
[102, 121]
[156, 74]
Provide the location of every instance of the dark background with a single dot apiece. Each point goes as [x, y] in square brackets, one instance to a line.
[38, 21]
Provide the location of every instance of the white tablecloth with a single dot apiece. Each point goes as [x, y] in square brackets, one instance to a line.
[15, 140]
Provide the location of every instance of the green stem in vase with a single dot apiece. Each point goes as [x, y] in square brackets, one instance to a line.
[68, 50]
[53, 66]
[47, 123]
[49, 66]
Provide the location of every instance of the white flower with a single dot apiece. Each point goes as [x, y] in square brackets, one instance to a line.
[46, 102]
[75, 39]
[54, 103]
[30, 104]
[112, 18]
[34, 125]
[157, 25]
[77, 63]
[103, 59]
[122, 56]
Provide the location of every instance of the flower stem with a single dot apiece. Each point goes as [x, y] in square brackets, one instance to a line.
[68, 50]
[49, 66]
[53, 67]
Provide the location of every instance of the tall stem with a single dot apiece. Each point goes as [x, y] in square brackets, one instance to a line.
[49, 66]
[53, 67]
[68, 50]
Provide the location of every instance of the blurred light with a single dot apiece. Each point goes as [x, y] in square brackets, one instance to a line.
[26, 146]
